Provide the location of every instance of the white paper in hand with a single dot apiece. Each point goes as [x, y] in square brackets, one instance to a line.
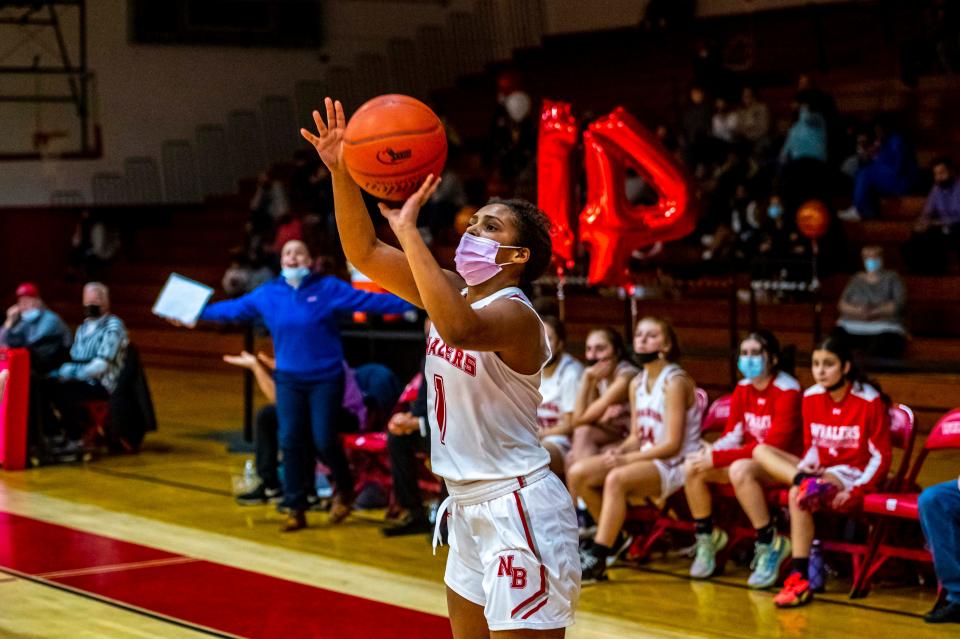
[182, 299]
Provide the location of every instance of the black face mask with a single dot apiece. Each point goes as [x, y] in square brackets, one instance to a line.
[646, 358]
[838, 385]
[93, 311]
[553, 358]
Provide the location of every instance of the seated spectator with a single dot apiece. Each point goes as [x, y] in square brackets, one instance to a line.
[559, 382]
[819, 101]
[871, 309]
[408, 434]
[807, 138]
[764, 409]
[940, 518]
[860, 156]
[846, 433]
[892, 171]
[735, 236]
[781, 252]
[724, 123]
[937, 231]
[665, 427]
[696, 124]
[33, 326]
[753, 118]
[96, 360]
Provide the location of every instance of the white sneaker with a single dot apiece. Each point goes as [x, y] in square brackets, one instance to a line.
[849, 215]
[707, 547]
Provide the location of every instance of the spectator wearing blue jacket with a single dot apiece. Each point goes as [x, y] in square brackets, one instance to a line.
[807, 138]
[892, 172]
[300, 309]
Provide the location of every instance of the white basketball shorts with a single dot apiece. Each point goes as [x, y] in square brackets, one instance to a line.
[516, 553]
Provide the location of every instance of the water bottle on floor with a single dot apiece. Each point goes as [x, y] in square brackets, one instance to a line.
[816, 571]
[250, 479]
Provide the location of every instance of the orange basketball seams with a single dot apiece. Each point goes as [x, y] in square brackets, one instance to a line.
[392, 143]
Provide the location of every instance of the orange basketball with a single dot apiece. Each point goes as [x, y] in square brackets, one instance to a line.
[813, 218]
[392, 143]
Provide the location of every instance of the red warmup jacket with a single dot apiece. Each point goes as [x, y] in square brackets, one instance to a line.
[854, 432]
[770, 416]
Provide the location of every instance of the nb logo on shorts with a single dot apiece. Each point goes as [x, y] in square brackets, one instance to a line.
[518, 576]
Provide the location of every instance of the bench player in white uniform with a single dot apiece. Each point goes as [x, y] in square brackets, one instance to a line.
[559, 383]
[665, 426]
[513, 567]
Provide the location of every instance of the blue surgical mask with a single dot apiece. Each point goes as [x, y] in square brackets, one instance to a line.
[774, 211]
[30, 314]
[872, 264]
[294, 273]
[751, 366]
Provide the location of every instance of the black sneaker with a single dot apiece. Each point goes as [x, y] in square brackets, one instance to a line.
[592, 568]
[409, 526]
[260, 495]
[620, 548]
[947, 612]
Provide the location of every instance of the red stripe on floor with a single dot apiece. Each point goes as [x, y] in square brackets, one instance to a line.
[228, 599]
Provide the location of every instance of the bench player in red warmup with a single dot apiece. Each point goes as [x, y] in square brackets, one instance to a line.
[846, 434]
[513, 569]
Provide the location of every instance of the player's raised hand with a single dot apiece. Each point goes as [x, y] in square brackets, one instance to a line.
[328, 141]
[407, 215]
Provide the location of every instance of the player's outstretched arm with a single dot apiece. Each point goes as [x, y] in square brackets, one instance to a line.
[381, 262]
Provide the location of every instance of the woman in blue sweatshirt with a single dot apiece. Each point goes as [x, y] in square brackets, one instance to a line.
[300, 308]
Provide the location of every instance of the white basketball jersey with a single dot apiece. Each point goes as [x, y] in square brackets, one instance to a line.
[559, 391]
[650, 407]
[483, 414]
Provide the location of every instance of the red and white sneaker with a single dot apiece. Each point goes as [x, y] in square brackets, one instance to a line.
[796, 592]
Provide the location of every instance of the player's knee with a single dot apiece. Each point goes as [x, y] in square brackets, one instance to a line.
[614, 481]
[741, 471]
[794, 494]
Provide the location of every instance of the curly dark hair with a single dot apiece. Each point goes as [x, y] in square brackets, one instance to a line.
[533, 233]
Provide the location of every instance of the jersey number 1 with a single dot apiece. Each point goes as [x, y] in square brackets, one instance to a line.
[441, 407]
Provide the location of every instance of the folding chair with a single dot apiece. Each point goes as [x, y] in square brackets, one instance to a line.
[891, 508]
[717, 415]
[903, 435]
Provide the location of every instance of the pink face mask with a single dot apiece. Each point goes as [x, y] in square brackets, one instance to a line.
[476, 259]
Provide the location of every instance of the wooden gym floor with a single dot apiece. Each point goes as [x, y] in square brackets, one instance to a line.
[152, 545]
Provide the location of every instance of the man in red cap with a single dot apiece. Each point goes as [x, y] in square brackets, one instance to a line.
[31, 325]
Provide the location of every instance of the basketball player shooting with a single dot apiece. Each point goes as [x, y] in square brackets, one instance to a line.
[513, 568]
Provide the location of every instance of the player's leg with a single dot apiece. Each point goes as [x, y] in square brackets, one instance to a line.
[772, 549]
[467, 620]
[637, 479]
[585, 480]
[796, 589]
[710, 540]
[779, 464]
